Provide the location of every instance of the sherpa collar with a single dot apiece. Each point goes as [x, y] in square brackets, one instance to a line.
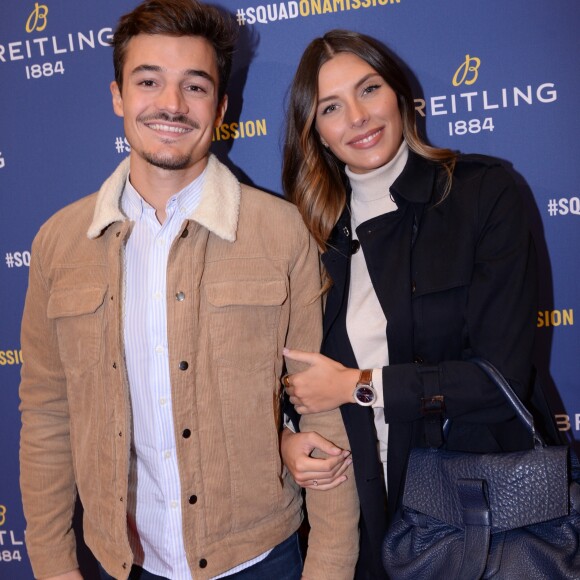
[217, 211]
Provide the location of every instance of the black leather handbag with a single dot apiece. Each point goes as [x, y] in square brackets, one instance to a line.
[513, 515]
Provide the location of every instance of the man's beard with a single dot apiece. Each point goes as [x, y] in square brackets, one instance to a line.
[170, 162]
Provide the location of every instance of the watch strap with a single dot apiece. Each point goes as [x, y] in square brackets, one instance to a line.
[365, 378]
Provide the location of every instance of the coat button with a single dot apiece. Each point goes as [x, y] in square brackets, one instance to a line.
[413, 287]
[185, 233]
[193, 499]
[203, 563]
[186, 433]
[180, 296]
[183, 365]
[354, 246]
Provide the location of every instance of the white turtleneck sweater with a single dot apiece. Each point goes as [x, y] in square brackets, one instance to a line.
[365, 320]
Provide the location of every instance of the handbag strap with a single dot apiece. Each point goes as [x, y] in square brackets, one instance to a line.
[501, 383]
[477, 521]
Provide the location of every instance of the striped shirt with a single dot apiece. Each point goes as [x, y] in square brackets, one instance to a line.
[154, 515]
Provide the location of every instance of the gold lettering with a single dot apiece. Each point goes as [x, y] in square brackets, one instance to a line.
[471, 65]
[37, 19]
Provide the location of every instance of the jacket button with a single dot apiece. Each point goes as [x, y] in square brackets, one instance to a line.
[180, 297]
[418, 360]
[413, 287]
[354, 246]
[185, 233]
[186, 433]
[192, 499]
[183, 365]
[203, 563]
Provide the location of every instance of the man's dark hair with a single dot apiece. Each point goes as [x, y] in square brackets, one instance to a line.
[178, 18]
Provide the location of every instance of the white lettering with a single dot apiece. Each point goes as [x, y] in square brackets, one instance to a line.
[15, 542]
[435, 106]
[551, 95]
[293, 9]
[14, 48]
[468, 96]
[486, 105]
[526, 97]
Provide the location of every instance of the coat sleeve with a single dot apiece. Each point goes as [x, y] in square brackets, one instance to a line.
[333, 515]
[499, 316]
[46, 471]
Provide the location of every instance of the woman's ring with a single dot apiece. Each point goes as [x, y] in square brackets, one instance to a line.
[314, 482]
[286, 381]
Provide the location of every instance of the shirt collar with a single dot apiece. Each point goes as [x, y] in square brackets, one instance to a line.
[184, 202]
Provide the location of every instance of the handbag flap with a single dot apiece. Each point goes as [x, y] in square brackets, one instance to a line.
[523, 487]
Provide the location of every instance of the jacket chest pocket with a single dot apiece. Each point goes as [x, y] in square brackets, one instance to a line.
[243, 321]
[79, 318]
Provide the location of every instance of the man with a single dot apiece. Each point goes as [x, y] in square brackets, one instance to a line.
[154, 324]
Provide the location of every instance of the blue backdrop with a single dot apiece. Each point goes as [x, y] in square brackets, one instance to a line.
[492, 77]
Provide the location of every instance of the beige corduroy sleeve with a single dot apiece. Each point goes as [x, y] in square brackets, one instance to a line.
[333, 542]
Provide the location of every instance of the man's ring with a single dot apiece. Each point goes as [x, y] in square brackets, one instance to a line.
[314, 482]
[286, 381]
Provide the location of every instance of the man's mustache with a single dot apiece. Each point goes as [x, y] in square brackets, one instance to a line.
[182, 119]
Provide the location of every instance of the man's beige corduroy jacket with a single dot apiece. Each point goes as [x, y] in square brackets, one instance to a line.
[242, 282]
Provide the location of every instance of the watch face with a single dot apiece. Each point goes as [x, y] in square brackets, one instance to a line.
[365, 395]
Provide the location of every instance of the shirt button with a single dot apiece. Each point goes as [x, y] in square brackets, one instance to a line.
[160, 242]
[173, 504]
[186, 433]
[203, 563]
[159, 348]
[163, 401]
[192, 499]
[183, 365]
[157, 295]
[180, 296]
[167, 454]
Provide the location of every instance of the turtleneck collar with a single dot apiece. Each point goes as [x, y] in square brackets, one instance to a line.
[375, 184]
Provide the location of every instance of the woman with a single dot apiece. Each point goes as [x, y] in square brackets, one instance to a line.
[429, 263]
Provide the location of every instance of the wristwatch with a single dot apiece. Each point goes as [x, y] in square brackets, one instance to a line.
[364, 393]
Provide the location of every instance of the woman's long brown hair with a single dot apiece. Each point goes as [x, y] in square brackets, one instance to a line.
[312, 177]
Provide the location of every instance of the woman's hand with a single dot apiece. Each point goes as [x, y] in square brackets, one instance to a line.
[323, 387]
[308, 472]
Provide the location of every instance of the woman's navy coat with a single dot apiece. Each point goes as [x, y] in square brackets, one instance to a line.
[456, 279]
